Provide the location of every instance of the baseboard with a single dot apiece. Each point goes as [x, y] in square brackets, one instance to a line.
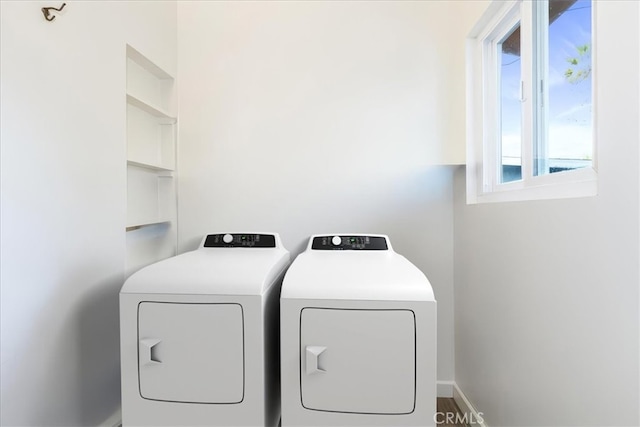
[476, 417]
[444, 388]
[115, 420]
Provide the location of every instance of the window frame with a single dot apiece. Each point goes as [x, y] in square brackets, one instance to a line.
[484, 164]
[491, 103]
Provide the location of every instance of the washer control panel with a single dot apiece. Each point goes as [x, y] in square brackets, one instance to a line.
[234, 240]
[357, 243]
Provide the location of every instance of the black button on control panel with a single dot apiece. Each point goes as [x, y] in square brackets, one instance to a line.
[357, 243]
[240, 241]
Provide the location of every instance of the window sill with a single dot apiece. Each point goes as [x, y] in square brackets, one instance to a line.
[561, 185]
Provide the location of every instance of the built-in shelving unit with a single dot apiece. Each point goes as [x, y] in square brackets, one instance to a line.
[151, 162]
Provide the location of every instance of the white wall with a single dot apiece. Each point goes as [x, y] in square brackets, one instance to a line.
[64, 202]
[312, 117]
[546, 292]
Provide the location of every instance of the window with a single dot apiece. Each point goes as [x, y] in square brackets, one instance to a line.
[530, 104]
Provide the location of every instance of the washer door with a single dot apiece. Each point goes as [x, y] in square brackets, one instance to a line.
[358, 361]
[191, 352]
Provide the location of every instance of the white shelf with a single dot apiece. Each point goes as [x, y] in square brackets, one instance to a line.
[150, 196]
[151, 231]
[150, 109]
[133, 227]
[147, 64]
[149, 166]
[150, 140]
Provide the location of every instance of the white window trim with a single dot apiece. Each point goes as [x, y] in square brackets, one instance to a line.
[482, 159]
[491, 81]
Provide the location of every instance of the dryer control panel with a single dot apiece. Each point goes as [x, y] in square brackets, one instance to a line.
[341, 243]
[240, 240]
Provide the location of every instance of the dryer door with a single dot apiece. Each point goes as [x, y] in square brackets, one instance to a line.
[191, 352]
[358, 361]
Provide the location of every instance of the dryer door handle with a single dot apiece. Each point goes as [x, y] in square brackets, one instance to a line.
[313, 359]
[148, 351]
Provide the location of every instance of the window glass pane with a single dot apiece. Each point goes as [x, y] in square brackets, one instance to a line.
[510, 106]
[568, 144]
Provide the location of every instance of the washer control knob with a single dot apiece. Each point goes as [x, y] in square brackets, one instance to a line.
[227, 238]
[336, 240]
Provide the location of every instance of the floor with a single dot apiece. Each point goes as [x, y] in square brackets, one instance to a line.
[446, 414]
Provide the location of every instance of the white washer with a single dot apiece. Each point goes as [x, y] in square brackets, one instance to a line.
[358, 336]
[199, 335]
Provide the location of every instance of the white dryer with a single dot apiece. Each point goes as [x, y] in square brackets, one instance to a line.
[199, 335]
[358, 336]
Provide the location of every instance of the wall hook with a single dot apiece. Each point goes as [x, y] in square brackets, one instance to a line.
[46, 11]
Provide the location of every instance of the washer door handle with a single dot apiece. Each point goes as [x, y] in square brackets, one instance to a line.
[148, 351]
[313, 359]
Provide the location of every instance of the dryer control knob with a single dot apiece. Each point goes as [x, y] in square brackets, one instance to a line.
[227, 238]
[336, 240]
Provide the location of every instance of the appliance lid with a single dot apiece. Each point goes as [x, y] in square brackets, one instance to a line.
[215, 270]
[355, 275]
